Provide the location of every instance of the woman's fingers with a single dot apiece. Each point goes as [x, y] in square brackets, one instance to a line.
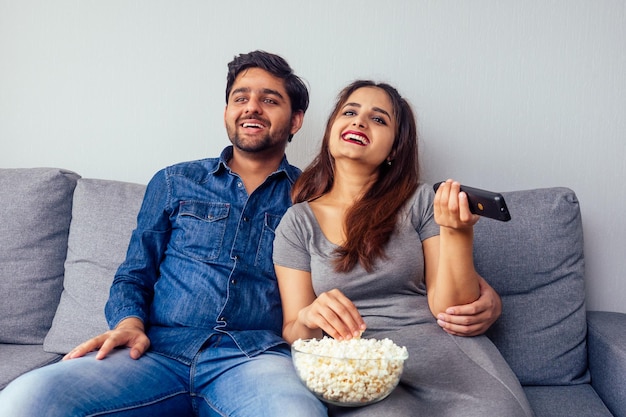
[338, 316]
[451, 206]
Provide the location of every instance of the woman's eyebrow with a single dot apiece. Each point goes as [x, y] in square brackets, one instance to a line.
[376, 109]
[383, 111]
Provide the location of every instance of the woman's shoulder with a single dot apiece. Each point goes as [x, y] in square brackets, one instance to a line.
[299, 209]
[420, 211]
[423, 196]
[298, 215]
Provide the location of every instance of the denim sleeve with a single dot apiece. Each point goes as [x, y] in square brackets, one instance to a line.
[132, 289]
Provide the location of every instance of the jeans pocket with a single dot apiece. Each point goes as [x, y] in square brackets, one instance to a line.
[199, 229]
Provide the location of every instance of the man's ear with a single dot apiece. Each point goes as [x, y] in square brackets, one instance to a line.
[296, 121]
[225, 108]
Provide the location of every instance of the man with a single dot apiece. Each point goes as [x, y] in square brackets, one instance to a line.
[194, 309]
[195, 304]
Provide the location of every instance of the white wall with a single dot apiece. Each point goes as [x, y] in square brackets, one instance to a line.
[509, 94]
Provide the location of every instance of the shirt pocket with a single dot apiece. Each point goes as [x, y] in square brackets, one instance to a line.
[265, 250]
[200, 229]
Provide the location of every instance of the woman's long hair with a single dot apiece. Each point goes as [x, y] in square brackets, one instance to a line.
[371, 220]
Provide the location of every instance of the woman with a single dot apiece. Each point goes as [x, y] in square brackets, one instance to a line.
[368, 248]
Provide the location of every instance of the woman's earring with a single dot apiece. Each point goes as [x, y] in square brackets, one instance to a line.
[389, 162]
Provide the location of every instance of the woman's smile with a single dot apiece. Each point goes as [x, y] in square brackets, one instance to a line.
[355, 137]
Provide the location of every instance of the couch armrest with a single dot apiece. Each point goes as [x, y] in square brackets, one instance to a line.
[606, 341]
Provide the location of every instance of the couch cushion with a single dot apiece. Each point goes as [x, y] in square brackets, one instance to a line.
[535, 262]
[606, 343]
[104, 215]
[35, 218]
[19, 359]
[566, 401]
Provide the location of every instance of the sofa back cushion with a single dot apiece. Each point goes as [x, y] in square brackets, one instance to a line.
[104, 215]
[35, 219]
[536, 263]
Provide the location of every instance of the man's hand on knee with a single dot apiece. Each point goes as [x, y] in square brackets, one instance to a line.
[129, 333]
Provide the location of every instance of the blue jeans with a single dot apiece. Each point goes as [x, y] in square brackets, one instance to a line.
[221, 381]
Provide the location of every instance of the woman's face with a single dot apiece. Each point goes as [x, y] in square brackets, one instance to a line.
[364, 129]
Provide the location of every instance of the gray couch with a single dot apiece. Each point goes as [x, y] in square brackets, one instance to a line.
[63, 237]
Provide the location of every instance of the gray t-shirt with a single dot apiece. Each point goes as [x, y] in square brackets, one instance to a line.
[390, 290]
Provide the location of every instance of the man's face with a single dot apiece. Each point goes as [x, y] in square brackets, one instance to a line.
[258, 113]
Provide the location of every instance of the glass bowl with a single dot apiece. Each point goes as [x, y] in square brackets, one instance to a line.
[349, 373]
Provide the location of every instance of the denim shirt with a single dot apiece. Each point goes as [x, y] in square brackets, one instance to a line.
[199, 262]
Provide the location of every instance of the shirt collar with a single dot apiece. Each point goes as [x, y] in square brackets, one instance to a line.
[291, 171]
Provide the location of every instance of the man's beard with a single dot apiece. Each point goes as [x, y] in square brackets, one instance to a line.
[252, 146]
[269, 141]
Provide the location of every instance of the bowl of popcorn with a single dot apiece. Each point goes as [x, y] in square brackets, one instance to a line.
[349, 373]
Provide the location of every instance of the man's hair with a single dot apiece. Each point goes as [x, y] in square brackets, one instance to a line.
[278, 67]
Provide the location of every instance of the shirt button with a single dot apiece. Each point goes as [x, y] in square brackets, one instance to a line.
[222, 319]
[245, 219]
[239, 184]
[233, 281]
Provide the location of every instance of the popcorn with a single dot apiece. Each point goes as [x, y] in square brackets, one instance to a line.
[350, 372]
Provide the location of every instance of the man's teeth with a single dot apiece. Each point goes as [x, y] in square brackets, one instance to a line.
[252, 125]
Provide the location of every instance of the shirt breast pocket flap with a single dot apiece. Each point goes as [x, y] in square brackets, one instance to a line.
[203, 225]
[265, 249]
